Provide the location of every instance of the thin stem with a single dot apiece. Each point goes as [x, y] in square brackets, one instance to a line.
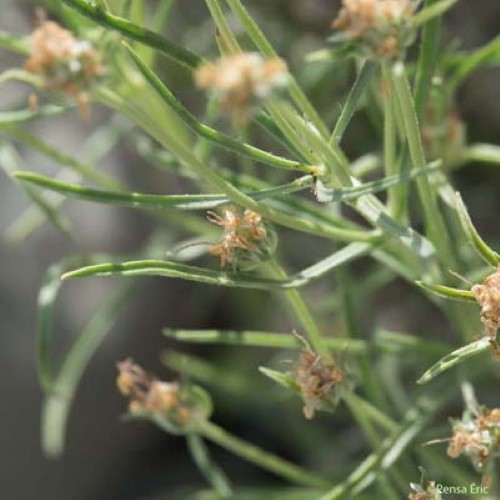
[434, 221]
[210, 470]
[397, 193]
[365, 76]
[259, 457]
[301, 311]
[428, 57]
[209, 133]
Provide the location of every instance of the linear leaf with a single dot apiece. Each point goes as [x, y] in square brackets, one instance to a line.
[47, 297]
[258, 339]
[475, 240]
[454, 358]
[184, 202]
[484, 153]
[208, 276]
[9, 162]
[24, 115]
[209, 133]
[346, 194]
[214, 475]
[147, 37]
[57, 404]
[282, 379]
[448, 292]
[365, 76]
[434, 10]
[385, 456]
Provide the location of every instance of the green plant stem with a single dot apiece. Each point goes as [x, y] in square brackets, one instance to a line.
[365, 76]
[427, 61]
[436, 228]
[259, 457]
[147, 37]
[212, 472]
[230, 45]
[396, 194]
[301, 312]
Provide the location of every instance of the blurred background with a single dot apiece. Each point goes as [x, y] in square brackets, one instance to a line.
[106, 459]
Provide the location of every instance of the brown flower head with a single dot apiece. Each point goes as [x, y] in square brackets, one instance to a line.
[174, 406]
[62, 61]
[476, 436]
[245, 242]
[381, 27]
[488, 297]
[429, 493]
[322, 382]
[242, 80]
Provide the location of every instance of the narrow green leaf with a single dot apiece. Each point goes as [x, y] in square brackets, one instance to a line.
[215, 476]
[59, 156]
[47, 297]
[282, 379]
[463, 64]
[209, 133]
[19, 75]
[259, 339]
[385, 456]
[397, 343]
[452, 359]
[261, 458]
[483, 153]
[434, 223]
[14, 43]
[488, 254]
[25, 115]
[434, 10]
[139, 33]
[447, 292]
[58, 402]
[365, 76]
[9, 162]
[346, 194]
[155, 201]
[192, 273]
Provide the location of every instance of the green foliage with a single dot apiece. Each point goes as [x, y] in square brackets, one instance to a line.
[401, 222]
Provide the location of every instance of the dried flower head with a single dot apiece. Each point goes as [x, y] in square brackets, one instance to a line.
[322, 382]
[488, 297]
[171, 404]
[241, 80]
[430, 493]
[381, 27]
[245, 241]
[63, 62]
[476, 436]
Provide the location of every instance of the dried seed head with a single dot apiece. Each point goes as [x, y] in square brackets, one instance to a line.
[241, 80]
[430, 493]
[488, 297]
[476, 436]
[382, 28]
[174, 406]
[245, 242]
[322, 382]
[62, 61]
